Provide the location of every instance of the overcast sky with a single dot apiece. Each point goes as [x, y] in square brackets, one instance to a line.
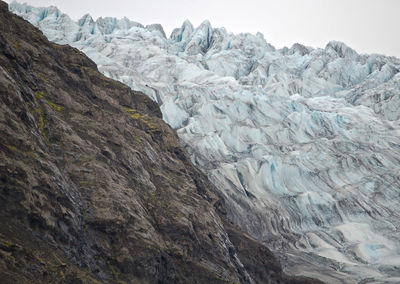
[368, 26]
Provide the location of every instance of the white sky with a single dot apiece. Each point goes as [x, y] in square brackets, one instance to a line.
[368, 26]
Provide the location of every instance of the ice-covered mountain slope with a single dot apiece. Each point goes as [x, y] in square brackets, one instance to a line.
[303, 143]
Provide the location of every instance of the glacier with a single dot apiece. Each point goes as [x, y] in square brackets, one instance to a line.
[303, 143]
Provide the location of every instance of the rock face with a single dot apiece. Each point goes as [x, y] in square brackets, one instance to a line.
[302, 143]
[95, 187]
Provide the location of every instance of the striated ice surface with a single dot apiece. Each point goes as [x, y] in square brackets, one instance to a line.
[303, 143]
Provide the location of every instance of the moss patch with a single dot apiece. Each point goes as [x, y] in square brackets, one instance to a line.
[151, 123]
[115, 273]
[30, 154]
[14, 43]
[55, 106]
[39, 95]
[8, 246]
[158, 203]
[132, 113]
[42, 124]
[84, 160]
[87, 183]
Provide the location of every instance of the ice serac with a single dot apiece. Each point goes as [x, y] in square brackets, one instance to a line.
[182, 34]
[303, 143]
[156, 28]
[200, 39]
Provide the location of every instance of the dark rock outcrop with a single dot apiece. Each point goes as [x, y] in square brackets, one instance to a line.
[95, 187]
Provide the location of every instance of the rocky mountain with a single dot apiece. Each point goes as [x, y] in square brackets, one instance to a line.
[303, 144]
[96, 188]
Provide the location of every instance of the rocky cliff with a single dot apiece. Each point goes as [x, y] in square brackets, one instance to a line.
[95, 187]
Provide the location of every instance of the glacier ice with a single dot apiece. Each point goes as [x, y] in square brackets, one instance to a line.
[303, 143]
